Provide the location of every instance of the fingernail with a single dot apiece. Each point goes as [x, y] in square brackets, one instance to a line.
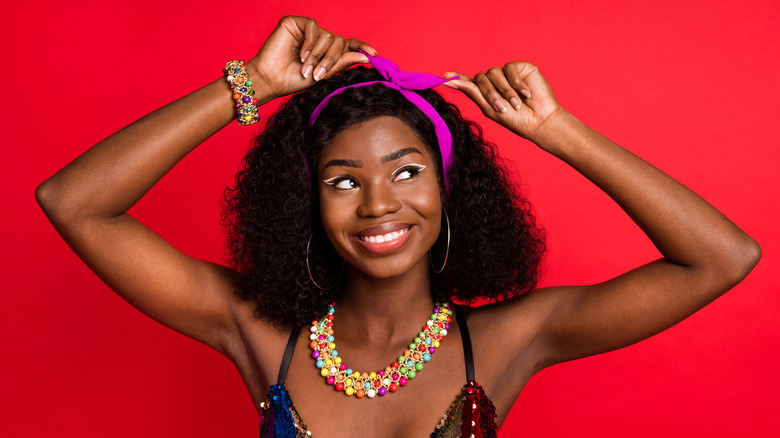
[499, 105]
[307, 71]
[525, 93]
[515, 102]
[320, 73]
[305, 55]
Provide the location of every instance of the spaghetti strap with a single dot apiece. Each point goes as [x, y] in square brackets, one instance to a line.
[288, 352]
[464, 335]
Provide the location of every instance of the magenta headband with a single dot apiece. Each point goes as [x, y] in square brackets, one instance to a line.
[405, 82]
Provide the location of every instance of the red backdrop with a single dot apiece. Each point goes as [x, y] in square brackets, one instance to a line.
[690, 86]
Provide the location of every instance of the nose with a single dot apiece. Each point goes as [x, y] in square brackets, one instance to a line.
[378, 200]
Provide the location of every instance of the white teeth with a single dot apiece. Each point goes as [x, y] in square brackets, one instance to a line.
[381, 238]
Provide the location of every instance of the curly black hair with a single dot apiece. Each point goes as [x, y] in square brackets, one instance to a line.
[271, 212]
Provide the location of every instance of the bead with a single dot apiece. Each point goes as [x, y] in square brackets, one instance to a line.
[377, 383]
[364, 375]
[340, 377]
[412, 374]
[324, 372]
[313, 337]
[319, 364]
[443, 332]
[330, 338]
[349, 371]
[436, 344]
[418, 366]
[236, 96]
[381, 373]
[371, 393]
[366, 385]
[402, 381]
[339, 386]
[334, 353]
[348, 382]
[386, 381]
[337, 360]
[395, 376]
[410, 364]
[372, 375]
[313, 329]
[382, 391]
[412, 346]
[315, 354]
[331, 380]
[321, 337]
[313, 345]
[426, 357]
[393, 387]
[432, 350]
[356, 375]
[349, 391]
[447, 326]
[329, 362]
[360, 393]
[403, 370]
[248, 83]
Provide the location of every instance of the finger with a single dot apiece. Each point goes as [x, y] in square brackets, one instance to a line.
[489, 92]
[354, 44]
[470, 89]
[347, 59]
[521, 76]
[504, 88]
[321, 46]
[328, 61]
[310, 31]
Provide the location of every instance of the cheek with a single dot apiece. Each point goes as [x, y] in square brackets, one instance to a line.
[334, 216]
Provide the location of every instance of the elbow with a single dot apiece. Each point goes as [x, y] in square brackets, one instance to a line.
[743, 257]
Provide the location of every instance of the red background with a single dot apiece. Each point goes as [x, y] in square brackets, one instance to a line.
[690, 86]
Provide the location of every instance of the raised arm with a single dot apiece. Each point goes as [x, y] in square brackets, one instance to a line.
[704, 253]
[87, 200]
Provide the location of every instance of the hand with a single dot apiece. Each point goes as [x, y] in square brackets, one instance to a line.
[299, 52]
[516, 96]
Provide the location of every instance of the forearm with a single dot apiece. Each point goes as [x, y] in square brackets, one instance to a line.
[110, 177]
[685, 228]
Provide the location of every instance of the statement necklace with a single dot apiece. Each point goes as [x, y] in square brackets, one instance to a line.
[389, 379]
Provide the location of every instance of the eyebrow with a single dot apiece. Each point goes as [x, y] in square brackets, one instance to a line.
[392, 156]
[343, 163]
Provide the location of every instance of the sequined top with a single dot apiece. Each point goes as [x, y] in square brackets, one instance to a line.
[471, 415]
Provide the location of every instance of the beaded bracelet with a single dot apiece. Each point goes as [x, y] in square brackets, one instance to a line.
[243, 94]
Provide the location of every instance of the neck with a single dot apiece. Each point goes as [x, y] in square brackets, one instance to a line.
[385, 310]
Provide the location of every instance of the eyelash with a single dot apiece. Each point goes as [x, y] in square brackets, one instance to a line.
[413, 169]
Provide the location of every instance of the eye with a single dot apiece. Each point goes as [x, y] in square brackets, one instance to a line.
[341, 182]
[407, 171]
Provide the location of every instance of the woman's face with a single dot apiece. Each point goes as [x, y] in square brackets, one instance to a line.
[380, 199]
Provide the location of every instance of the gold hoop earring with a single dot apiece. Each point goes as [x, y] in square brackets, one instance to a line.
[308, 269]
[446, 253]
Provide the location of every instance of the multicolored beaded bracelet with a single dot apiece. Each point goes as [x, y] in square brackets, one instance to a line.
[243, 94]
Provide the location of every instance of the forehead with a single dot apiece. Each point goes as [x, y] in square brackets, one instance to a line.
[373, 139]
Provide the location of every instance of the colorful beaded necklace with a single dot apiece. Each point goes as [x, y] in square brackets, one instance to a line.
[329, 362]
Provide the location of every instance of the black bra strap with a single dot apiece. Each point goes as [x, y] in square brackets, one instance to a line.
[288, 352]
[464, 335]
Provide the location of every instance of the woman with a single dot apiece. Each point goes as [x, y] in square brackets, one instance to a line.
[384, 194]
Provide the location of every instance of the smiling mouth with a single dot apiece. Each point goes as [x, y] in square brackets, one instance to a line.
[382, 238]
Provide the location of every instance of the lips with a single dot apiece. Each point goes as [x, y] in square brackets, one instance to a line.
[384, 239]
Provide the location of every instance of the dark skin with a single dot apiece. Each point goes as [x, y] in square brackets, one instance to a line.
[704, 254]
